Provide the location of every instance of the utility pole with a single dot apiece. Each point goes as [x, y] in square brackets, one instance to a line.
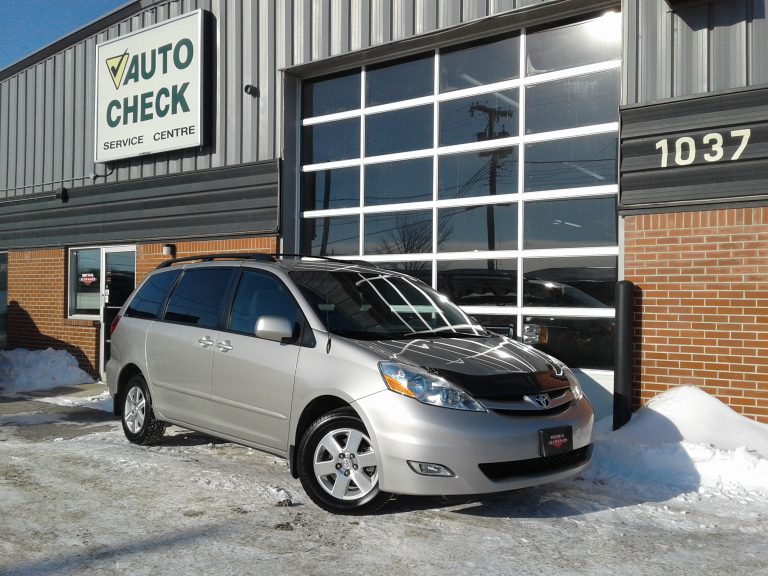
[494, 115]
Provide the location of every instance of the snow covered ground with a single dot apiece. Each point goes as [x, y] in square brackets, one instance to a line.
[682, 489]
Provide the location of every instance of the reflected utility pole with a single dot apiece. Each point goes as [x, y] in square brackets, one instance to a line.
[494, 115]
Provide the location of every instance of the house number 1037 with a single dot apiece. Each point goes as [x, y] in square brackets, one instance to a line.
[685, 148]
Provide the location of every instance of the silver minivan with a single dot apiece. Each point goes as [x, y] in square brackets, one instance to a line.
[369, 381]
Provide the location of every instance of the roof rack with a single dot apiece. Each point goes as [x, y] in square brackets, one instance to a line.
[328, 258]
[258, 256]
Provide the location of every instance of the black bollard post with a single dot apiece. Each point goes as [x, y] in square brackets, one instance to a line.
[622, 354]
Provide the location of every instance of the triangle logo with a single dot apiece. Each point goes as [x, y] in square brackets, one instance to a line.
[116, 66]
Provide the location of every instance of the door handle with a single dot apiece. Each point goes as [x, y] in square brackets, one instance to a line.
[206, 341]
[224, 346]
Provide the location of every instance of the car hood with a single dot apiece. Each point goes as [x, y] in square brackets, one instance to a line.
[497, 368]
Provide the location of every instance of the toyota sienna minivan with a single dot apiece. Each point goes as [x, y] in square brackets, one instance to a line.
[368, 381]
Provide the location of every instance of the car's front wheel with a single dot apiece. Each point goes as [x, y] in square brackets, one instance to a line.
[139, 423]
[338, 464]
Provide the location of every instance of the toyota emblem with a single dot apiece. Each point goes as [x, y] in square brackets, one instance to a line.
[542, 400]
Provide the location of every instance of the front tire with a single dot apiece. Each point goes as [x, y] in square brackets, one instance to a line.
[139, 423]
[338, 464]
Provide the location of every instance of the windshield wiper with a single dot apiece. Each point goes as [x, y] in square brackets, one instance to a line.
[445, 332]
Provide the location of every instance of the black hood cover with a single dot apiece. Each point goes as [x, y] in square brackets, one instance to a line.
[492, 368]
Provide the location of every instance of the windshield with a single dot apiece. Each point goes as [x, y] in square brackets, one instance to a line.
[380, 305]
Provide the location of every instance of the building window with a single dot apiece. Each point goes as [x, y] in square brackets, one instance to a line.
[488, 170]
[84, 282]
[3, 299]
[99, 279]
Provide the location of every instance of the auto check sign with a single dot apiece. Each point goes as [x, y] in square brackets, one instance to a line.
[148, 90]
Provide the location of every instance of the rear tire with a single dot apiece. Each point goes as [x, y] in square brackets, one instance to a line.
[338, 464]
[139, 423]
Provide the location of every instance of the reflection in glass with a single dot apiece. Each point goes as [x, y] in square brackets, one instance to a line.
[330, 95]
[570, 223]
[331, 236]
[331, 189]
[399, 131]
[499, 323]
[578, 44]
[3, 298]
[573, 102]
[84, 281]
[401, 81]
[374, 305]
[199, 296]
[120, 276]
[477, 173]
[580, 282]
[571, 163]
[482, 64]
[479, 282]
[578, 342]
[479, 118]
[492, 227]
[152, 294]
[330, 141]
[391, 182]
[257, 295]
[399, 233]
[420, 270]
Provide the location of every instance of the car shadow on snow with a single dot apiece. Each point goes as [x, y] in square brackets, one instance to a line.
[181, 437]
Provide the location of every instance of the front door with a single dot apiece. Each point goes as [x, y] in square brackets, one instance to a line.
[252, 378]
[118, 280]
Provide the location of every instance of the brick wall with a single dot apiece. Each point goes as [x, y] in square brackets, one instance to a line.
[701, 314]
[37, 308]
[37, 295]
[148, 256]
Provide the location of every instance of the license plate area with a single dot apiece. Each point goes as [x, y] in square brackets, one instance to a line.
[554, 441]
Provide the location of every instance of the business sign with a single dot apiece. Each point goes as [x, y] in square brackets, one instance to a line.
[704, 149]
[149, 90]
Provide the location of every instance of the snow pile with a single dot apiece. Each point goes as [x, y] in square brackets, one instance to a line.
[685, 440]
[27, 370]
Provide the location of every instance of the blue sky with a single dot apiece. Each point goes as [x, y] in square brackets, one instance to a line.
[28, 25]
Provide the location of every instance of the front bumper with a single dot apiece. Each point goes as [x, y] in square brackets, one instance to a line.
[404, 429]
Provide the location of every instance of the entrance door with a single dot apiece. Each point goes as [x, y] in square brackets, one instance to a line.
[118, 280]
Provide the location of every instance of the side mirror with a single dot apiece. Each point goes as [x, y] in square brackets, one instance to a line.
[274, 328]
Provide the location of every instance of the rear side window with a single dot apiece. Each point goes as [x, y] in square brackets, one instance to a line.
[199, 297]
[258, 295]
[150, 297]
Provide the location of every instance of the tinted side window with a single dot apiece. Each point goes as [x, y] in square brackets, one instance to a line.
[152, 294]
[199, 297]
[258, 295]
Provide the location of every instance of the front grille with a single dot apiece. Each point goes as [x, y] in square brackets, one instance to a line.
[536, 466]
[541, 413]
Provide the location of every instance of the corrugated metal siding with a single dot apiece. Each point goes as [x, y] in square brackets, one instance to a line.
[651, 181]
[235, 200]
[46, 110]
[694, 48]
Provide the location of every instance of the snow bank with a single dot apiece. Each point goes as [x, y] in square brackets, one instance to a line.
[685, 440]
[27, 370]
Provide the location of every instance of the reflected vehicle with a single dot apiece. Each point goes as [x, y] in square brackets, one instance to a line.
[578, 342]
[367, 380]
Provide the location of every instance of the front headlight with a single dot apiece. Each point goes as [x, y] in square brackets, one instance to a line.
[426, 388]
